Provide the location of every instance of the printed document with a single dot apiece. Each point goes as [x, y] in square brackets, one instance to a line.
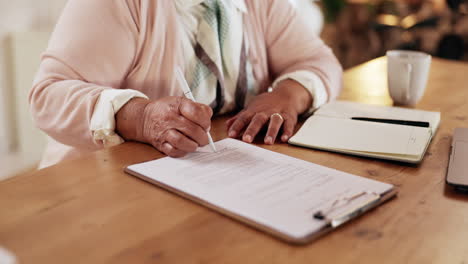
[273, 190]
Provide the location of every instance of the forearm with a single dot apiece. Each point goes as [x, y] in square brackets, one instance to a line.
[78, 66]
[298, 96]
[129, 119]
[62, 109]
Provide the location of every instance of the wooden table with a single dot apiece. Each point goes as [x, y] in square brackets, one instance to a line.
[89, 211]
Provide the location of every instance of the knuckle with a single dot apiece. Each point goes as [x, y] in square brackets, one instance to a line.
[181, 121]
[200, 108]
[158, 144]
[172, 136]
[242, 119]
[165, 118]
[159, 147]
[193, 148]
[262, 117]
[256, 122]
[289, 116]
[190, 108]
[178, 140]
[165, 148]
[170, 150]
[208, 110]
[191, 105]
[168, 134]
[175, 103]
[237, 125]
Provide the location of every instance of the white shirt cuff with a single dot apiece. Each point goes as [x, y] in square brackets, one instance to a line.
[103, 119]
[311, 82]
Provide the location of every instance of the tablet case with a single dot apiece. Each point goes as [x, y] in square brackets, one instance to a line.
[457, 173]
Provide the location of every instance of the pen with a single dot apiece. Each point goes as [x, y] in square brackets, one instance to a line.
[189, 95]
[393, 121]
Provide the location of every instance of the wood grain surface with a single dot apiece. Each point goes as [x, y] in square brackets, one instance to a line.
[89, 211]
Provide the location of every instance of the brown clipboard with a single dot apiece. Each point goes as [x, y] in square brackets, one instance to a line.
[331, 225]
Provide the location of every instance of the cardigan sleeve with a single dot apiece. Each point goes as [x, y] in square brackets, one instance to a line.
[92, 49]
[292, 46]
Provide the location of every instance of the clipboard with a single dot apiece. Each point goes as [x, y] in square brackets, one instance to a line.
[331, 220]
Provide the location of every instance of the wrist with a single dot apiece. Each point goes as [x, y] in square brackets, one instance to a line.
[129, 120]
[297, 95]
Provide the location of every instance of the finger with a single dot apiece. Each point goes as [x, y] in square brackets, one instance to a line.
[258, 121]
[180, 141]
[288, 127]
[171, 151]
[240, 123]
[273, 128]
[199, 114]
[230, 121]
[191, 130]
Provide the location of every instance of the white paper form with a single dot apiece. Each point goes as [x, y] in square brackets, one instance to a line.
[271, 189]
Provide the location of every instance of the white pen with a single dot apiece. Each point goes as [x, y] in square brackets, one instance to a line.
[189, 95]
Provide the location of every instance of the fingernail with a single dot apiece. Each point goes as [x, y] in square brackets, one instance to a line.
[209, 129]
[284, 138]
[232, 134]
[248, 138]
[268, 140]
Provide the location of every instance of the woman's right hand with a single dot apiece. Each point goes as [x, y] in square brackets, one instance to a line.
[173, 125]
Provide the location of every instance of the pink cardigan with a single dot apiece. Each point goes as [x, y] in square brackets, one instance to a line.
[132, 44]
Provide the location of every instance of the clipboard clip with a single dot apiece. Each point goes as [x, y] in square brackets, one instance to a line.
[340, 218]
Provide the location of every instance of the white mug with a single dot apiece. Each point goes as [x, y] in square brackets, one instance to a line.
[407, 73]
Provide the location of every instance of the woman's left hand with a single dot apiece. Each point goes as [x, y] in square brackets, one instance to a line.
[277, 109]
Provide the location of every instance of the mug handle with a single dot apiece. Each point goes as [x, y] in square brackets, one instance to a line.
[409, 71]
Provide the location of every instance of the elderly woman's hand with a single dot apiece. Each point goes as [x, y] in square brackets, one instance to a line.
[173, 125]
[278, 109]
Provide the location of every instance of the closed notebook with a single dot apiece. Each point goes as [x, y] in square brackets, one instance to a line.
[333, 128]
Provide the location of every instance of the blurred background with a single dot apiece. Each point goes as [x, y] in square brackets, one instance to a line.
[360, 30]
[25, 26]
[357, 31]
